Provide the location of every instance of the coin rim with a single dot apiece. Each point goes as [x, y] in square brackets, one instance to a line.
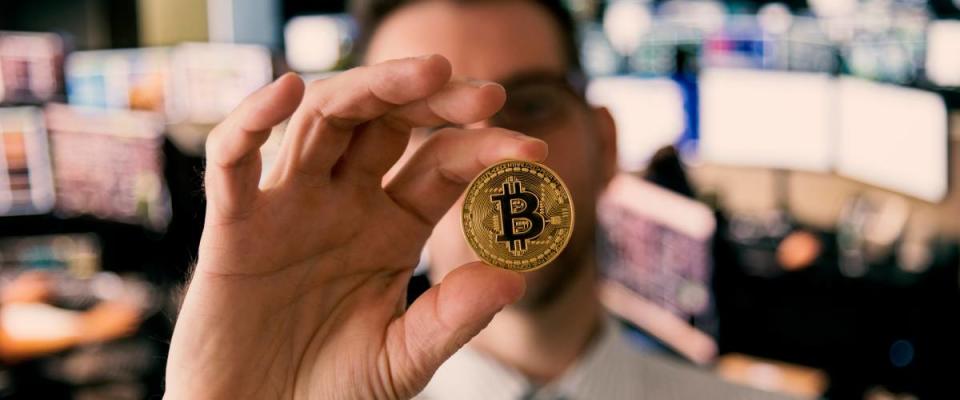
[566, 241]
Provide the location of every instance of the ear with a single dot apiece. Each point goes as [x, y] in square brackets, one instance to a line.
[607, 132]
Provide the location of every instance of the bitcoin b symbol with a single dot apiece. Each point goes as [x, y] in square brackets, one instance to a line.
[519, 216]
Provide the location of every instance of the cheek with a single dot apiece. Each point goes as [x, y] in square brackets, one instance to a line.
[576, 159]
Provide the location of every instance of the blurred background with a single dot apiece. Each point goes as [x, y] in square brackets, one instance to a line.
[790, 216]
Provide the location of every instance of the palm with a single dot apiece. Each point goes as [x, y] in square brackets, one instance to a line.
[303, 225]
[299, 289]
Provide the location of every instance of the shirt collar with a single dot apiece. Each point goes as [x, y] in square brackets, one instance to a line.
[472, 374]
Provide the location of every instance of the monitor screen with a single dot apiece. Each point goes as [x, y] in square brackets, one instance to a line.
[30, 67]
[649, 114]
[893, 137]
[26, 183]
[656, 244]
[135, 79]
[765, 119]
[109, 164]
[208, 80]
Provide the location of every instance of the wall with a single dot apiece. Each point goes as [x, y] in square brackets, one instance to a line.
[167, 22]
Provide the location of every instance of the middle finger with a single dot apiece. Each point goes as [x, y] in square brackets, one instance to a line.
[322, 127]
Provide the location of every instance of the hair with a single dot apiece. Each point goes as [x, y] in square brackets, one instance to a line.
[369, 14]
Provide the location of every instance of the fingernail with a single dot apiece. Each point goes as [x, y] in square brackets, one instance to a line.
[424, 57]
[275, 81]
[542, 150]
[524, 137]
[479, 83]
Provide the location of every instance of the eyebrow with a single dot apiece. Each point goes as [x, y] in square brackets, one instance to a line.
[575, 81]
[530, 75]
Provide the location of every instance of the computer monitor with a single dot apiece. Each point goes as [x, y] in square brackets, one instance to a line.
[649, 114]
[30, 67]
[656, 243]
[893, 137]
[26, 183]
[135, 79]
[108, 164]
[208, 80]
[766, 119]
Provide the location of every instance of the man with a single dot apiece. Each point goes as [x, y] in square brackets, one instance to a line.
[299, 288]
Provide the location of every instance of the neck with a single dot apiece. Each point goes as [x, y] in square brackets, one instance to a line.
[543, 343]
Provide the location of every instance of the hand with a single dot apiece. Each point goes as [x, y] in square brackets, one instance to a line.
[300, 284]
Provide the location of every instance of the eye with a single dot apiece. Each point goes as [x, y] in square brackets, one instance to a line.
[532, 108]
[531, 105]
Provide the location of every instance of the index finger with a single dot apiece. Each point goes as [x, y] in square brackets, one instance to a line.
[321, 129]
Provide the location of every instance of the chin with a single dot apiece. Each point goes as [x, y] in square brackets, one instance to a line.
[547, 285]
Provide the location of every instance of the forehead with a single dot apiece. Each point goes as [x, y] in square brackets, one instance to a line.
[491, 40]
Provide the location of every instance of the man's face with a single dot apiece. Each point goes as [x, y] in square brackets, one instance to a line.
[503, 41]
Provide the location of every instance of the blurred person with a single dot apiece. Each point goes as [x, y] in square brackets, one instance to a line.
[105, 321]
[556, 341]
[299, 287]
[667, 171]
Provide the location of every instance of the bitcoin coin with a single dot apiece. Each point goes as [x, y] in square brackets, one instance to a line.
[517, 215]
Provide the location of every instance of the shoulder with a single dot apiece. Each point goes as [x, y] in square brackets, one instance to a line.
[614, 368]
[669, 379]
[654, 376]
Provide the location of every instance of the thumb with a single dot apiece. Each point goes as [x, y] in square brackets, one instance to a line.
[445, 318]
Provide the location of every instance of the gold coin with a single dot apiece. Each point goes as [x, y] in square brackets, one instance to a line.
[517, 215]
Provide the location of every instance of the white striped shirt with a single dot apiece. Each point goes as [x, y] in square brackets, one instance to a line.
[612, 369]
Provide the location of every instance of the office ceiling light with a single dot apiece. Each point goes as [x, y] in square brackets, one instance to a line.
[624, 23]
[775, 18]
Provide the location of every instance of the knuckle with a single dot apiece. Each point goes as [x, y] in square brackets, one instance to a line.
[213, 139]
[316, 85]
[396, 123]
